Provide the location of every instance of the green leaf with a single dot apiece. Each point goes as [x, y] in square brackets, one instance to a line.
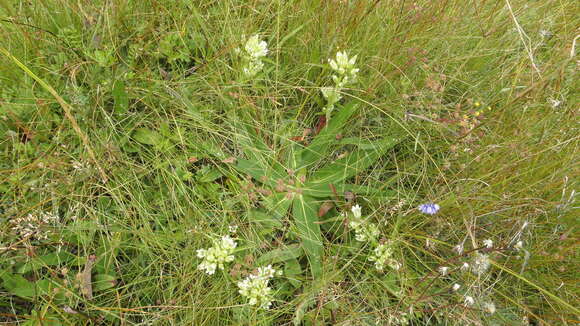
[52, 259]
[103, 281]
[280, 255]
[267, 222]
[17, 285]
[356, 141]
[278, 204]
[322, 190]
[305, 216]
[292, 269]
[147, 136]
[391, 282]
[352, 164]
[208, 174]
[120, 97]
[321, 145]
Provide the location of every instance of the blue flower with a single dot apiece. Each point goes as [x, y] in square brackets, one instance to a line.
[429, 208]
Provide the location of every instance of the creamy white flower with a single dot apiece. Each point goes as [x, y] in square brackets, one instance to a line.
[443, 270]
[458, 249]
[217, 256]
[488, 243]
[255, 287]
[331, 94]
[382, 256]
[356, 211]
[346, 74]
[254, 50]
[464, 267]
[488, 307]
[480, 264]
[365, 231]
[343, 65]
[456, 287]
[519, 245]
[255, 47]
[468, 300]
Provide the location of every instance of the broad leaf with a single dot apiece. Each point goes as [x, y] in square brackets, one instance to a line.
[304, 211]
[278, 204]
[51, 259]
[352, 164]
[322, 190]
[147, 136]
[120, 97]
[104, 281]
[17, 285]
[280, 255]
[292, 270]
[254, 170]
[321, 144]
[265, 223]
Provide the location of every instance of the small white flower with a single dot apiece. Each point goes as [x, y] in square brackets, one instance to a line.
[488, 243]
[464, 267]
[443, 270]
[480, 264]
[519, 245]
[331, 94]
[458, 249]
[356, 211]
[255, 287]
[346, 74]
[217, 256]
[489, 307]
[256, 48]
[382, 255]
[468, 300]
[364, 230]
[555, 103]
[233, 228]
[395, 265]
[455, 287]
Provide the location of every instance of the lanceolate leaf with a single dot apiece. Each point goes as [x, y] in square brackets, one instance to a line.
[304, 211]
[280, 255]
[354, 163]
[321, 190]
[321, 145]
[120, 97]
[261, 162]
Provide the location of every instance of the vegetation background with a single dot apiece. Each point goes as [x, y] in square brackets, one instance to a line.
[123, 125]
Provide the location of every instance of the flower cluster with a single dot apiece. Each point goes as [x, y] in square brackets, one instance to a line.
[429, 209]
[346, 73]
[255, 287]
[344, 67]
[364, 230]
[34, 226]
[254, 50]
[480, 263]
[382, 256]
[217, 256]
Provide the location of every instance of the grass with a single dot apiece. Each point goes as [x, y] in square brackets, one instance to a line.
[131, 123]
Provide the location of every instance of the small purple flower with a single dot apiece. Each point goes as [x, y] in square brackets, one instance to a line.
[429, 208]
